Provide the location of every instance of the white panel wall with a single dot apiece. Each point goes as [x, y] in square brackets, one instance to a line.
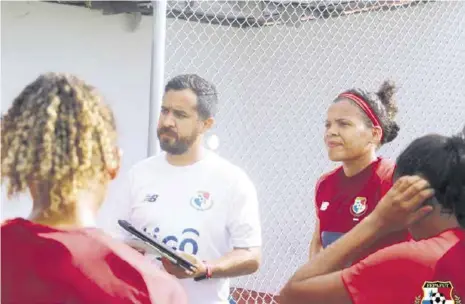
[41, 37]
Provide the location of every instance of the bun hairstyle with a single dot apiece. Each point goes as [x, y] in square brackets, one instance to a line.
[384, 106]
[441, 160]
[386, 96]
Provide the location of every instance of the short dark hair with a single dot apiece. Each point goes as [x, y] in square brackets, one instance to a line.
[207, 96]
[384, 105]
[441, 161]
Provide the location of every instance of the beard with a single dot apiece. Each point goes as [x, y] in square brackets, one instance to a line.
[175, 145]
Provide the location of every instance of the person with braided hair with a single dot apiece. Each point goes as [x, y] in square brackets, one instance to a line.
[59, 143]
[357, 124]
[428, 198]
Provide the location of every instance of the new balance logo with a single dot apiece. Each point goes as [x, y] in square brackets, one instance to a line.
[151, 198]
[324, 206]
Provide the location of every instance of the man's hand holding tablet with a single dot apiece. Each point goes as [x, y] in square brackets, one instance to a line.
[181, 273]
[143, 242]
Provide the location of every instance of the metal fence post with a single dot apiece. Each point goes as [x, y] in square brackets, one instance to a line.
[157, 73]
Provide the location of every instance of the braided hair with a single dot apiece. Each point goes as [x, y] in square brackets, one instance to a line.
[59, 135]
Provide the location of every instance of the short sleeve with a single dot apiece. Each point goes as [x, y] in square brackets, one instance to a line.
[386, 176]
[317, 190]
[386, 185]
[392, 275]
[244, 220]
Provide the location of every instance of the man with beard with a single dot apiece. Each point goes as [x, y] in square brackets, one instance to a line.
[193, 200]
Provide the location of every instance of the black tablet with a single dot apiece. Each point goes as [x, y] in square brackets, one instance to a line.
[164, 250]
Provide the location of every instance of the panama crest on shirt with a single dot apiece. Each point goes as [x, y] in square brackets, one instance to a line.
[359, 207]
[202, 201]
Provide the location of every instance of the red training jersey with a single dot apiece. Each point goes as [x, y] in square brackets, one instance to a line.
[41, 264]
[427, 271]
[342, 202]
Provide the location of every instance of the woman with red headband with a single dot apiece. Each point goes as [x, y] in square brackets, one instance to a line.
[357, 124]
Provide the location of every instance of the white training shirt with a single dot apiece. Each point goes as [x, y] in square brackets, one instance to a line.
[205, 209]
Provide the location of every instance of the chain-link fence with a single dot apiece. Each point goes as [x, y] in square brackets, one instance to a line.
[278, 64]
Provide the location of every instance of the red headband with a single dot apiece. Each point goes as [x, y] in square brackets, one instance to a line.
[364, 106]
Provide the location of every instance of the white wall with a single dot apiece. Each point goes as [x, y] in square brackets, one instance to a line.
[41, 37]
[275, 84]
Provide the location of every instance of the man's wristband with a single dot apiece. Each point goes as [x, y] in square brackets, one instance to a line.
[208, 273]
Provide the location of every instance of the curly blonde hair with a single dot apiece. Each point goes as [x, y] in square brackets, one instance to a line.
[59, 135]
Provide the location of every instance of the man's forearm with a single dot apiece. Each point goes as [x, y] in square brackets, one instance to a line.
[340, 253]
[238, 262]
